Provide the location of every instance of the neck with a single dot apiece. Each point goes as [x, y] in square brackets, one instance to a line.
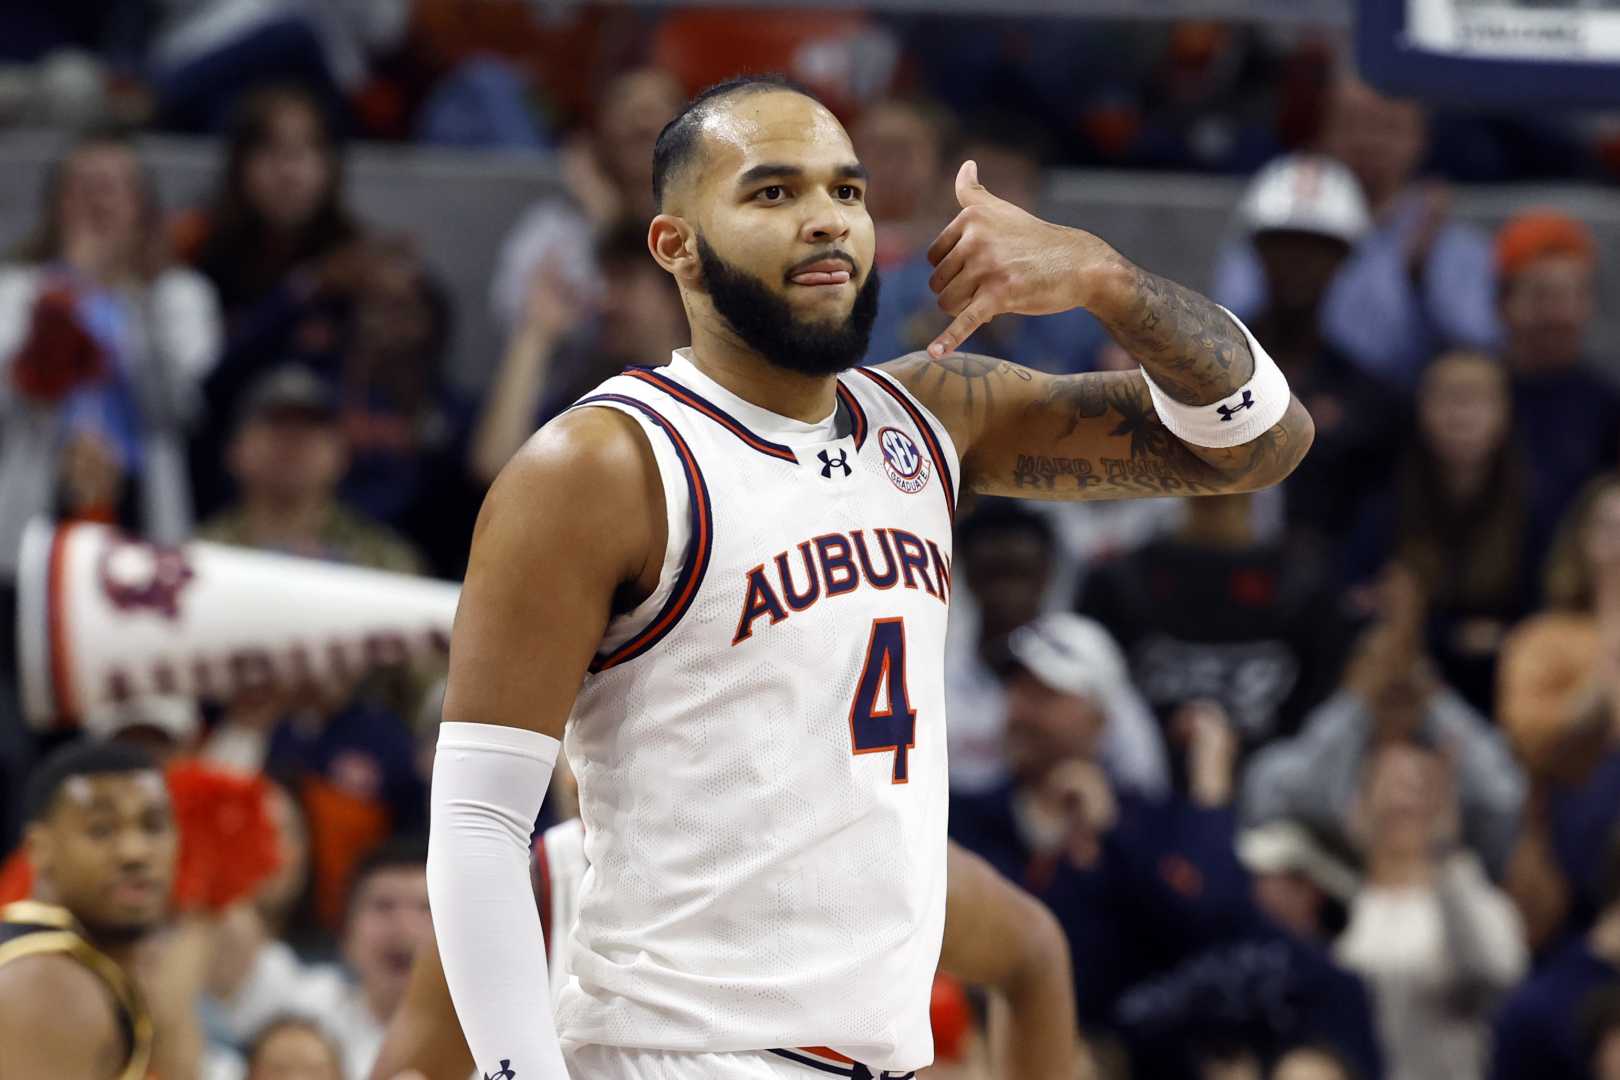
[290, 523]
[1464, 480]
[1399, 866]
[720, 355]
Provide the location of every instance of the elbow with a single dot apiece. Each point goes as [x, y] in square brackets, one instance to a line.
[1043, 952]
[1280, 448]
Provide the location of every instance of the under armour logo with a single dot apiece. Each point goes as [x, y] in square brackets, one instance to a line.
[829, 463]
[1229, 411]
[506, 1073]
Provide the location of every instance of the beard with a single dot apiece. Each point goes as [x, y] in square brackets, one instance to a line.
[766, 323]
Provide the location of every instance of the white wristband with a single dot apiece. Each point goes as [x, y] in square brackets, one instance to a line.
[1234, 420]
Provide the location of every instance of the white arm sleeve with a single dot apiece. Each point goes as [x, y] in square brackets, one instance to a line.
[488, 783]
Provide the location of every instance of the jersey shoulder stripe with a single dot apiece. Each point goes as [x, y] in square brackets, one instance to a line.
[699, 550]
[714, 412]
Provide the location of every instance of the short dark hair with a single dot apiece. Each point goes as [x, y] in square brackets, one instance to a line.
[81, 758]
[995, 517]
[396, 853]
[678, 142]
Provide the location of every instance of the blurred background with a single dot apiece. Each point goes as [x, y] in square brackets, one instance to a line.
[1326, 781]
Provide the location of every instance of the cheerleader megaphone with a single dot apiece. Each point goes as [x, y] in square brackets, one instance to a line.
[104, 618]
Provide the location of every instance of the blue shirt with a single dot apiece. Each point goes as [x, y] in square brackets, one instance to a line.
[1537, 1032]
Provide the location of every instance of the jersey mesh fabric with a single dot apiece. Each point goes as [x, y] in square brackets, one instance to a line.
[753, 883]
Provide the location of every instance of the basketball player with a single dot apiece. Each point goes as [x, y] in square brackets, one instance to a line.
[996, 935]
[103, 844]
[729, 576]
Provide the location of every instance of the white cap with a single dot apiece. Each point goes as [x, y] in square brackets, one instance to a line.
[1283, 847]
[1309, 193]
[1070, 653]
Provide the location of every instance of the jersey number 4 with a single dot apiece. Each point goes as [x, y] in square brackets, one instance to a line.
[881, 718]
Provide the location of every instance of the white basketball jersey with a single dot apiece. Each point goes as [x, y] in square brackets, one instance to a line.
[760, 745]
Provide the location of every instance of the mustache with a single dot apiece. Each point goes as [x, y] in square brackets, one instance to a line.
[826, 256]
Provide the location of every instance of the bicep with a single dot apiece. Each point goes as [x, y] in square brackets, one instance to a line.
[1095, 435]
[573, 518]
[56, 1019]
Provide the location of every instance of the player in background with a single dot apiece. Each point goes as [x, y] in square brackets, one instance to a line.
[76, 957]
[761, 766]
[996, 936]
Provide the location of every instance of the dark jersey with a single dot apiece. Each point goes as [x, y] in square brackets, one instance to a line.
[30, 928]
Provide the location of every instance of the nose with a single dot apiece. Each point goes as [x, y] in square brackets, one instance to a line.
[825, 222]
[134, 847]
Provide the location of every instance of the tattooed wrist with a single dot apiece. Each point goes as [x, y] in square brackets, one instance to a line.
[1193, 349]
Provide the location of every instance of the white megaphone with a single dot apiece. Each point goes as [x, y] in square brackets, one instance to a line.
[104, 618]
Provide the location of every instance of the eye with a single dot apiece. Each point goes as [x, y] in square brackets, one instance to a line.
[774, 193]
[850, 193]
[101, 830]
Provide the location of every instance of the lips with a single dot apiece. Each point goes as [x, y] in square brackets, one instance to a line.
[823, 272]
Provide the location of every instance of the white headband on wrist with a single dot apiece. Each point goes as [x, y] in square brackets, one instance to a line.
[1236, 419]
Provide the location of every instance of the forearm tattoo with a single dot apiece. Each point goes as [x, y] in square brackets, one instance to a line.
[1193, 349]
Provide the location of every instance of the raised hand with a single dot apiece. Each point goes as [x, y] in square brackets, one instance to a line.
[995, 258]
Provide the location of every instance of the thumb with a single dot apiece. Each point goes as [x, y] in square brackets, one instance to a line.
[969, 192]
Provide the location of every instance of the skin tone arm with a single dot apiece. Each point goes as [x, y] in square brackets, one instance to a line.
[56, 1019]
[1094, 435]
[996, 935]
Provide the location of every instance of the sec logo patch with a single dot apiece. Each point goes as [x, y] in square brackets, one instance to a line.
[907, 467]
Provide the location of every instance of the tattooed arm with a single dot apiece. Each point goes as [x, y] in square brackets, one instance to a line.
[1096, 435]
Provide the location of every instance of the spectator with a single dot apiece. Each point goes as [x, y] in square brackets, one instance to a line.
[1436, 941]
[1568, 417]
[1537, 1032]
[1304, 214]
[208, 53]
[386, 922]
[1459, 517]
[294, 1048]
[406, 425]
[1211, 611]
[288, 456]
[348, 749]
[1389, 692]
[1417, 282]
[1556, 702]
[1239, 947]
[608, 173]
[1005, 552]
[902, 143]
[103, 345]
[1010, 153]
[564, 346]
[283, 251]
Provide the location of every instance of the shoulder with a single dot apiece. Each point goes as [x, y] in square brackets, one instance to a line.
[959, 388]
[599, 465]
[54, 992]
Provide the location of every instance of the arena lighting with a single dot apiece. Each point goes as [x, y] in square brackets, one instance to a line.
[103, 618]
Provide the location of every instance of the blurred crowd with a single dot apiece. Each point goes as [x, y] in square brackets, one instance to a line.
[1322, 782]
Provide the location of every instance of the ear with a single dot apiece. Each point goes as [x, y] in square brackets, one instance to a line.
[673, 243]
